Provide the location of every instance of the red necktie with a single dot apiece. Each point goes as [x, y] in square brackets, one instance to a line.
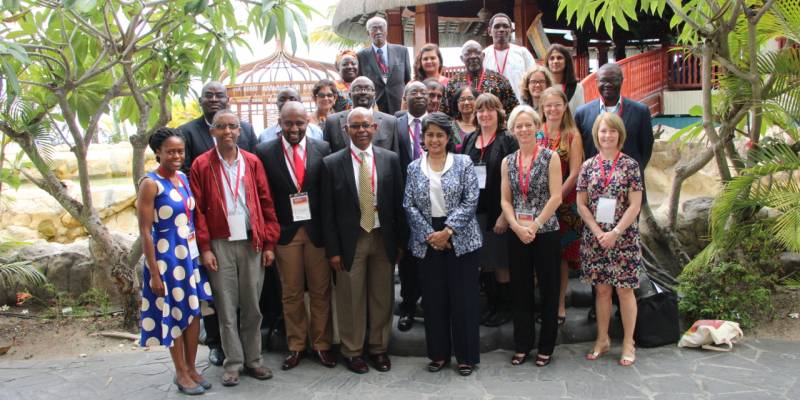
[299, 166]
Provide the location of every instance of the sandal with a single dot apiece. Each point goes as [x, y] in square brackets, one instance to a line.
[436, 366]
[465, 369]
[628, 359]
[518, 359]
[543, 360]
[595, 354]
[562, 320]
[230, 378]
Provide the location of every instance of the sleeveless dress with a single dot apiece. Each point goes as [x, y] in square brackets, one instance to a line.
[538, 187]
[619, 266]
[165, 318]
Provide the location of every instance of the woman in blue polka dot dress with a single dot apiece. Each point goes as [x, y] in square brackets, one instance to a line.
[174, 282]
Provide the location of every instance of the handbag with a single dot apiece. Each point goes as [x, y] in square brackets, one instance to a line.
[657, 320]
[718, 335]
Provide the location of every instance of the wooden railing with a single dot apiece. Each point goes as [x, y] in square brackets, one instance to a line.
[645, 76]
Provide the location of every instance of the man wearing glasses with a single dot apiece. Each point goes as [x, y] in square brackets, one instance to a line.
[365, 230]
[236, 232]
[480, 79]
[387, 65]
[274, 132]
[198, 139]
[362, 93]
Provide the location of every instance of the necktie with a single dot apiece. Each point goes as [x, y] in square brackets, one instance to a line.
[299, 166]
[382, 62]
[417, 144]
[365, 195]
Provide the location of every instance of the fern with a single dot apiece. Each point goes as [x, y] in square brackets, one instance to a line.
[21, 273]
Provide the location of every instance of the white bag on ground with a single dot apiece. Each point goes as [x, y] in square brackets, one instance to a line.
[718, 335]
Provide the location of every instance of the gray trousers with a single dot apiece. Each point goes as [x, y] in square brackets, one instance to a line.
[237, 286]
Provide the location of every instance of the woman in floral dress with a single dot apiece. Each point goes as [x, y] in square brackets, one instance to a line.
[174, 282]
[609, 198]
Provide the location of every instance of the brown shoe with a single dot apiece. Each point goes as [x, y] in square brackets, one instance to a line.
[356, 364]
[261, 373]
[380, 362]
[326, 358]
[292, 360]
[230, 378]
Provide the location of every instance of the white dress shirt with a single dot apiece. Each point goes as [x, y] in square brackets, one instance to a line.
[290, 151]
[357, 168]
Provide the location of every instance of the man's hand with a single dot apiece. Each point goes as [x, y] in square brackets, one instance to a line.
[336, 263]
[501, 225]
[267, 257]
[210, 260]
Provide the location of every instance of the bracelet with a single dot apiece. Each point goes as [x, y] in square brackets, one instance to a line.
[538, 224]
[615, 230]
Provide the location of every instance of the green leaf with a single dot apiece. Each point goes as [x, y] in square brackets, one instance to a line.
[696, 111]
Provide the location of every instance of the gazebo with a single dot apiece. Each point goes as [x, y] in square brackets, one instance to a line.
[253, 95]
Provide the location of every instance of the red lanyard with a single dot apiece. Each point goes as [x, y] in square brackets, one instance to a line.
[357, 158]
[234, 193]
[483, 146]
[606, 180]
[181, 185]
[547, 139]
[564, 87]
[381, 65]
[505, 61]
[480, 80]
[525, 176]
[291, 162]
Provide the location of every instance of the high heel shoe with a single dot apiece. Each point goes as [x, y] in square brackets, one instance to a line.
[595, 354]
[628, 359]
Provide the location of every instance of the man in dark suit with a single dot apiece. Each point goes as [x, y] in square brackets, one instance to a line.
[294, 178]
[410, 138]
[385, 64]
[362, 93]
[635, 115]
[213, 97]
[365, 231]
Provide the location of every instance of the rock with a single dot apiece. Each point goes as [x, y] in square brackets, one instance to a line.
[20, 233]
[768, 213]
[790, 263]
[692, 227]
[47, 229]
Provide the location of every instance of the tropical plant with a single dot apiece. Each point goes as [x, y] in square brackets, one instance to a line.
[69, 62]
[325, 35]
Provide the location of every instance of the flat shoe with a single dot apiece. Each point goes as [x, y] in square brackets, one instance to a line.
[204, 383]
[542, 360]
[465, 369]
[519, 360]
[197, 390]
[230, 379]
[436, 366]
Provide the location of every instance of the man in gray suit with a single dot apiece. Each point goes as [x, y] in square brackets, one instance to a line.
[387, 65]
[362, 93]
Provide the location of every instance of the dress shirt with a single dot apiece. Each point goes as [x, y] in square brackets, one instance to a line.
[357, 168]
[312, 130]
[438, 205]
[231, 170]
[411, 119]
[385, 50]
[290, 151]
[615, 108]
[518, 62]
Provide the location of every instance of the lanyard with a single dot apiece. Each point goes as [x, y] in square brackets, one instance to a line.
[546, 141]
[524, 177]
[357, 158]
[480, 80]
[505, 61]
[381, 65]
[605, 180]
[483, 146]
[291, 162]
[234, 193]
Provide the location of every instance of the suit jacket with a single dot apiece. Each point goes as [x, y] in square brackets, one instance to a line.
[281, 185]
[388, 95]
[638, 126]
[385, 137]
[198, 140]
[460, 188]
[342, 215]
[405, 150]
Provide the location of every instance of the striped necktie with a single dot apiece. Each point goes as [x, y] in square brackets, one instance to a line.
[366, 199]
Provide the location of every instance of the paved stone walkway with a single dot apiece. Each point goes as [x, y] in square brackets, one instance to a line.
[754, 370]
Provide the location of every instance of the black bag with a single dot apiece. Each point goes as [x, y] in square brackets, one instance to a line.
[657, 319]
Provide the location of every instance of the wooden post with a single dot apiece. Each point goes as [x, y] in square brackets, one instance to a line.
[524, 13]
[619, 49]
[602, 55]
[581, 43]
[394, 18]
[426, 26]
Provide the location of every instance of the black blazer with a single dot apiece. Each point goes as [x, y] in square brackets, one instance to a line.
[385, 137]
[198, 140]
[405, 151]
[281, 186]
[638, 126]
[389, 95]
[342, 214]
[504, 145]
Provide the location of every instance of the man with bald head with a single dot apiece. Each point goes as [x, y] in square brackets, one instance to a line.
[365, 231]
[295, 170]
[480, 79]
[387, 65]
[284, 96]
[362, 94]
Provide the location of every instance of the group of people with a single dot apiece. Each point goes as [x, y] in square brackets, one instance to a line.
[466, 184]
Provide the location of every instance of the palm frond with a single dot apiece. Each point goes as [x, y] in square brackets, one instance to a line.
[25, 116]
[20, 273]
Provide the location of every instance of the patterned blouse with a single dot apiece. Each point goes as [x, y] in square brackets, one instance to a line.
[492, 82]
[343, 102]
[538, 187]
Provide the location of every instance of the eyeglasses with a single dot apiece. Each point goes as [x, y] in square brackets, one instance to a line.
[224, 126]
[553, 105]
[537, 82]
[325, 95]
[465, 99]
[211, 95]
[363, 125]
[359, 90]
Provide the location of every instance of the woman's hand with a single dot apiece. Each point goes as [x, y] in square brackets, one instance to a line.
[500, 226]
[438, 240]
[526, 234]
[157, 286]
[608, 239]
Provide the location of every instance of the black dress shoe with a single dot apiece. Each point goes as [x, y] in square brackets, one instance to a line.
[405, 322]
[292, 360]
[216, 356]
[381, 362]
[326, 358]
[356, 364]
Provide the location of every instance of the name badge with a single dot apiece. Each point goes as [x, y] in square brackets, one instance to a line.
[525, 217]
[480, 171]
[301, 210]
[605, 210]
[238, 227]
[194, 252]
